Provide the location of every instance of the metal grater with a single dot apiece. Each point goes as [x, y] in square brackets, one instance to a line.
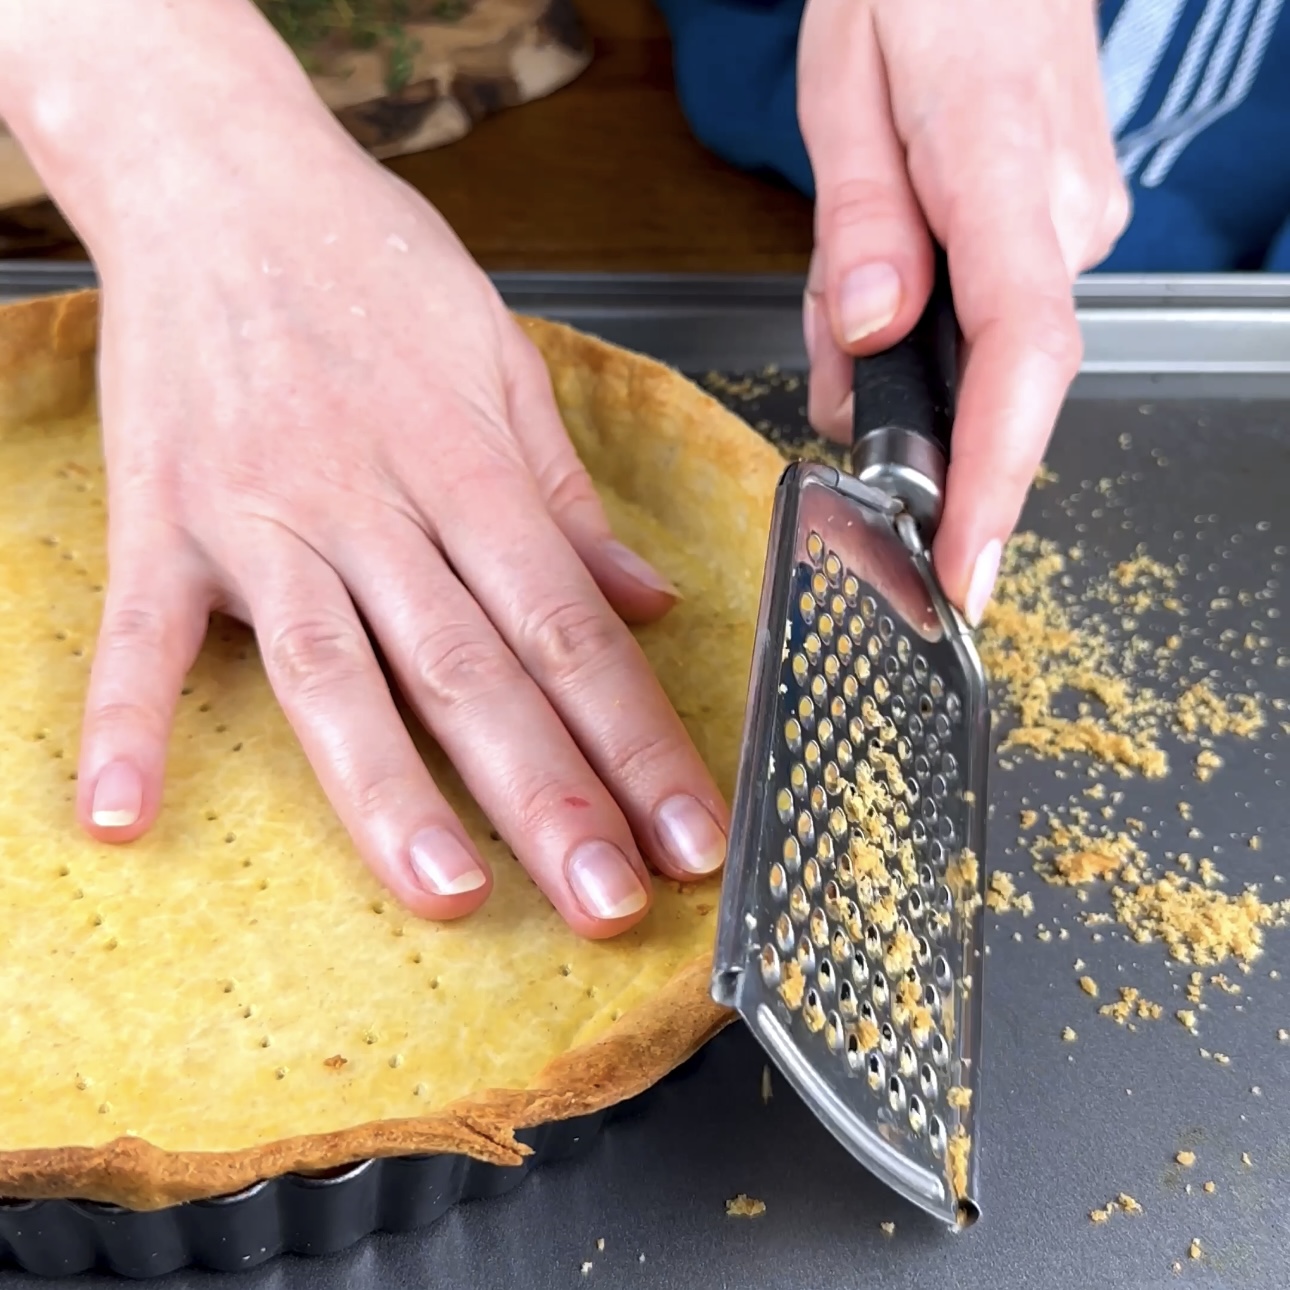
[850, 935]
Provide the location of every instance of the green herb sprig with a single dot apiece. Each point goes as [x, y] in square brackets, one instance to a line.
[366, 24]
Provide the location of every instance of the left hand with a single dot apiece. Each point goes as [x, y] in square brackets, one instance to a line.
[982, 124]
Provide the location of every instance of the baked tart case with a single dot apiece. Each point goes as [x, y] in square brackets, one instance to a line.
[179, 1031]
[306, 1215]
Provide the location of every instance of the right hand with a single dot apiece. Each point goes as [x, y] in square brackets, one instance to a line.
[315, 406]
[980, 125]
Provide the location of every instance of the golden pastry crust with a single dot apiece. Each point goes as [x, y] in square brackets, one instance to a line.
[176, 1028]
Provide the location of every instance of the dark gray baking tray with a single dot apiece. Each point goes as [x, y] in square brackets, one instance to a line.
[1194, 374]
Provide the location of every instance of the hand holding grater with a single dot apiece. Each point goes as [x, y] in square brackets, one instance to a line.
[850, 934]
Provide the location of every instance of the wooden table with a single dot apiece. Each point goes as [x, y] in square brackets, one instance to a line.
[605, 174]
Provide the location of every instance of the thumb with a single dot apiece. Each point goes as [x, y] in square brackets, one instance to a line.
[869, 228]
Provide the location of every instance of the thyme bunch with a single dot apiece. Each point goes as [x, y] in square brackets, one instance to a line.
[365, 24]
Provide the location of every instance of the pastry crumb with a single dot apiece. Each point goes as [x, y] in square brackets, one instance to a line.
[1131, 1004]
[743, 1206]
[956, 1160]
[793, 986]
[1089, 986]
[1186, 1159]
[1245, 1159]
[1210, 1188]
[586, 1267]
[1100, 1215]
[600, 1243]
[1193, 1250]
[1068, 1035]
[888, 1229]
[1128, 1203]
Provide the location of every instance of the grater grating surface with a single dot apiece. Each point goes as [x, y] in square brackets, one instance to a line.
[851, 929]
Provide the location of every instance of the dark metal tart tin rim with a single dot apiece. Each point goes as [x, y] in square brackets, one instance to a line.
[296, 1214]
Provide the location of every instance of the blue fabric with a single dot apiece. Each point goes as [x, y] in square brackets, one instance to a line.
[1200, 114]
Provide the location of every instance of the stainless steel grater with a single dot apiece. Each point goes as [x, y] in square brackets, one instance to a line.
[850, 935]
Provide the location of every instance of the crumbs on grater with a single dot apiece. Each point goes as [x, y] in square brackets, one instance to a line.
[743, 1206]
[957, 1152]
[793, 987]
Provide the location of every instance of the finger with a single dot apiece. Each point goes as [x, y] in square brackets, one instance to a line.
[877, 255]
[532, 586]
[155, 615]
[326, 677]
[506, 741]
[829, 397]
[1090, 201]
[1012, 294]
[636, 590]
[1090, 209]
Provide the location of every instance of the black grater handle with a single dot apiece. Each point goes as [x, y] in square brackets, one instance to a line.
[904, 408]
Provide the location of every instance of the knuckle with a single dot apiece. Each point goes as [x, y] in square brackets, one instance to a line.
[378, 792]
[1090, 209]
[634, 762]
[1054, 332]
[858, 203]
[530, 359]
[535, 803]
[452, 666]
[567, 487]
[122, 714]
[135, 629]
[1119, 209]
[306, 655]
[568, 638]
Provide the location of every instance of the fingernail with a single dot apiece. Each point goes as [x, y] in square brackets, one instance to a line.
[690, 835]
[870, 297]
[640, 570]
[443, 864]
[984, 573]
[604, 882]
[118, 796]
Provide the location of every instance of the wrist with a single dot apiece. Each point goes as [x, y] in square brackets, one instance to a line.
[214, 94]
